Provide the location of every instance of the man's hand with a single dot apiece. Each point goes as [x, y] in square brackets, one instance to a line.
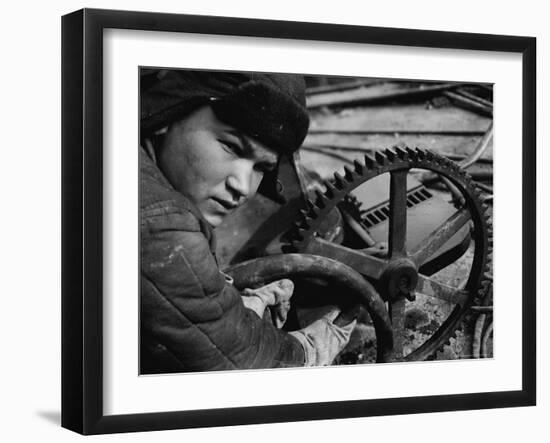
[276, 294]
[323, 340]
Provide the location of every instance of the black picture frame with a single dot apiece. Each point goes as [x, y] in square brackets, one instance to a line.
[82, 220]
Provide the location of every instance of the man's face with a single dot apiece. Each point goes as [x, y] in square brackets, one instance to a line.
[214, 165]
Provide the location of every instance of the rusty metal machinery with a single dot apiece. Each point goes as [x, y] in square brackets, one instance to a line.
[404, 269]
[321, 223]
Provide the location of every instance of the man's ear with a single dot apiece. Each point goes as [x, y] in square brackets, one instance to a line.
[156, 137]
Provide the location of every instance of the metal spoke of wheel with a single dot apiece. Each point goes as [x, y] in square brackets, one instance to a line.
[432, 288]
[366, 265]
[398, 212]
[397, 315]
[440, 236]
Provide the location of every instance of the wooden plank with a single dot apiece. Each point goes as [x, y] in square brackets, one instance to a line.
[401, 118]
[347, 144]
[383, 93]
[366, 92]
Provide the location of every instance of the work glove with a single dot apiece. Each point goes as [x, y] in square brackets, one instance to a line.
[323, 340]
[276, 295]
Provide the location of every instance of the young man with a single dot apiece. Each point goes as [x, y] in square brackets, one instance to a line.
[207, 141]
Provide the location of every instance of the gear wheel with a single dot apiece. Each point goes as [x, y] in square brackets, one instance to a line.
[397, 275]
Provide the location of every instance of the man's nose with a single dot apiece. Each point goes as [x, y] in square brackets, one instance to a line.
[243, 179]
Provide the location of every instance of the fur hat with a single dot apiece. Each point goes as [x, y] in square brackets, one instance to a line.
[268, 107]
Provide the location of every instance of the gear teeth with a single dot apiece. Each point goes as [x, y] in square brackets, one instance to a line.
[358, 167]
[338, 181]
[348, 174]
[300, 227]
[369, 161]
[321, 202]
[381, 159]
[420, 153]
[390, 154]
[412, 153]
[401, 153]
[330, 189]
[297, 225]
[452, 165]
[307, 217]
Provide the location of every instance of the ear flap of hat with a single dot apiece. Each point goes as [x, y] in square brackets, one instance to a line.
[269, 187]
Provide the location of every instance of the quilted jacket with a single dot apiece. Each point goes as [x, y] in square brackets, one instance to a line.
[191, 318]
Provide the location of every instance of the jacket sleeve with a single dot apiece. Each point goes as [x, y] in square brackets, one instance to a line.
[189, 308]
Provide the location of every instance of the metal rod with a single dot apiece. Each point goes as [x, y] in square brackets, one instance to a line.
[485, 339]
[478, 329]
[438, 237]
[457, 196]
[358, 229]
[479, 149]
[397, 315]
[484, 187]
[398, 213]
[469, 103]
[475, 97]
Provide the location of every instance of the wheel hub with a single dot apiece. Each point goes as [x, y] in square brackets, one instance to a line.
[398, 279]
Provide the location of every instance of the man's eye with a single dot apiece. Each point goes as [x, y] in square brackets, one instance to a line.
[231, 147]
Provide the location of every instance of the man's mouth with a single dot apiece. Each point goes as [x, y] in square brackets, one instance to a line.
[226, 204]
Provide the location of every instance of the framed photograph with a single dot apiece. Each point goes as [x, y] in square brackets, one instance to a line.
[270, 221]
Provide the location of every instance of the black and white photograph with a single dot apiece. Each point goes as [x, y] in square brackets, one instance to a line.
[262, 222]
[291, 220]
